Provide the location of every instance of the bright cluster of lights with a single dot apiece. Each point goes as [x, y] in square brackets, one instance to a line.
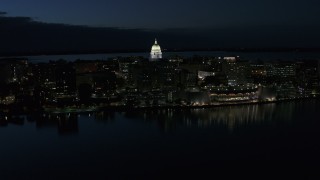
[156, 52]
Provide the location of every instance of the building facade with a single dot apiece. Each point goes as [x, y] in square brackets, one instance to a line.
[156, 52]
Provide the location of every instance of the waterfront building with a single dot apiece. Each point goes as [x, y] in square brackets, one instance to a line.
[156, 52]
[233, 93]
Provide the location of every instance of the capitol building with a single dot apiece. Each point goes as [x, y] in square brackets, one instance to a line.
[156, 52]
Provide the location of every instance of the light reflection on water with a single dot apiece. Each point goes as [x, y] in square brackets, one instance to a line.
[230, 117]
[122, 145]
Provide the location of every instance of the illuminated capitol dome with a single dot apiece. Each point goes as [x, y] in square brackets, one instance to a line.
[156, 53]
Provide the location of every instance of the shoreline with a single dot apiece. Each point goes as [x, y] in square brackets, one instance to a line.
[176, 107]
[44, 110]
[129, 51]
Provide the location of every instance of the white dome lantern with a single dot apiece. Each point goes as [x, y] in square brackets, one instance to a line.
[156, 52]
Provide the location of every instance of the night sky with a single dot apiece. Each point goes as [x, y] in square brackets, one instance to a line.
[127, 24]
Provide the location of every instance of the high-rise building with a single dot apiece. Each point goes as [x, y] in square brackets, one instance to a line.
[237, 71]
[156, 52]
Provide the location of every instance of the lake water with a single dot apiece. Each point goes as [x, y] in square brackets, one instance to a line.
[256, 141]
[244, 55]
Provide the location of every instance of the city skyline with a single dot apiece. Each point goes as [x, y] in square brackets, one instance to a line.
[150, 89]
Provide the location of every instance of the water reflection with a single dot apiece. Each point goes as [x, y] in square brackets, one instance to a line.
[6, 119]
[230, 118]
[65, 123]
[104, 116]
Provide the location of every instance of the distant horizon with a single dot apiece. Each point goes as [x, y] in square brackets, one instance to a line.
[128, 51]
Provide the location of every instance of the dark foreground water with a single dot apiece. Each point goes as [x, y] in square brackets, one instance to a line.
[269, 141]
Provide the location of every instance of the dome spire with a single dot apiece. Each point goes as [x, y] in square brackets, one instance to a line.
[155, 41]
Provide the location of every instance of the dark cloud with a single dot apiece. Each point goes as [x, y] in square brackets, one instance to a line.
[2, 13]
[25, 35]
